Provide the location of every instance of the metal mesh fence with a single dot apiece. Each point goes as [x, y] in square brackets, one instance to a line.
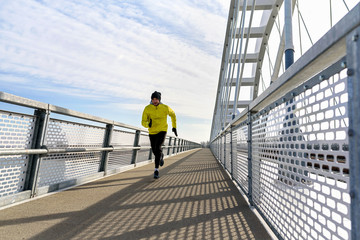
[143, 155]
[16, 131]
[301, 166]
[122, 138]
[56, 168]
[221, 149]
[120, 158]
[299, 162]
[240, 156]
[62, 134]
[228, 151]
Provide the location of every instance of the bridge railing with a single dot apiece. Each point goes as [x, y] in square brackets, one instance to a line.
[41, 154]
[295, 150]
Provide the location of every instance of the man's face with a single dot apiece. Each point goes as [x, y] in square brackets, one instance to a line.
[155, 101]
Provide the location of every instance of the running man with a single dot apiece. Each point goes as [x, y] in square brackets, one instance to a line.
[155, 119]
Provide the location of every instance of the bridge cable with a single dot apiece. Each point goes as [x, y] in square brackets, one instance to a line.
[312, 43]
[241, 72]
[331, 18]
[346, 6]
[299, 25]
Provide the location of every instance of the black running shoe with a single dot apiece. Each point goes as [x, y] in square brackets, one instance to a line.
[162, 160]
[156, 174]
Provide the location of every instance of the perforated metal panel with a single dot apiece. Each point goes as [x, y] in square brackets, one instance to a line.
[144, 140]
[122, 138]
[222, 157]
[143, 155]
[228, 151]
[121, 158]
[218, 148]
[301, 164]
[240, 168]
[166, 143]
[56, 168]
[16, 131]
[62, 134]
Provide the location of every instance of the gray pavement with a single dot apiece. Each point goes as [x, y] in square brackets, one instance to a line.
[193, 199]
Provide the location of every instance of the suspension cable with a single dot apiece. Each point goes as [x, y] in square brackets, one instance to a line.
[300, 39]
[307, 31]
[346, 6]
[228, 68]
[239, 42]
[282, 59]
[331, 23]
[239, 33]
[280, 35]
[262, 81]
[271, 67]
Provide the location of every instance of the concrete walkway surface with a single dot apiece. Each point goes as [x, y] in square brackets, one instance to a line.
[193, 199]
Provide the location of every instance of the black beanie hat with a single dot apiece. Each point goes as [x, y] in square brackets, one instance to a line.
[156, 95]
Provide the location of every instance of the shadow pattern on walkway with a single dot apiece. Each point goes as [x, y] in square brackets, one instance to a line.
[193, 199]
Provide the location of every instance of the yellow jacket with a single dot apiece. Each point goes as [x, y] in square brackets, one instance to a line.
[158, 114]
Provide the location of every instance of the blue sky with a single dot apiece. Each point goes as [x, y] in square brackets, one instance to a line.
[105, 58]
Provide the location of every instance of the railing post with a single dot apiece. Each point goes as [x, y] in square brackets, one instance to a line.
[106, 143]
[225, 149]
[178, 146]
[136, 144]
[249, 141]
[231, 152]
[169, 146]
[150, 152]
[32, 173]
[182, 145]
[174, 146]
[353, 72]
[221, 149]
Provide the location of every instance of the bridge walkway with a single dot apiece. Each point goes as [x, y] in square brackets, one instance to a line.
[194, 198]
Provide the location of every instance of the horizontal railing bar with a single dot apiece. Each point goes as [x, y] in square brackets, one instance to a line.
[79, 150]
[21, 101]
[22, 152]
[45, 151]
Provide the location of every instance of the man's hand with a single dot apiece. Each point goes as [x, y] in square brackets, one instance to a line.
[150, 123]
[175, 132]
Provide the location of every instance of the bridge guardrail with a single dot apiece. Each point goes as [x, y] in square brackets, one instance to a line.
[40, 154]
[294, 151]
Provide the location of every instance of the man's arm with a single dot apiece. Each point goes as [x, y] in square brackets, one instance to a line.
[173, 117]
[145, 119]
[173, 120]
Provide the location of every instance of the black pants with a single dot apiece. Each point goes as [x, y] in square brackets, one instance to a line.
[156, 141]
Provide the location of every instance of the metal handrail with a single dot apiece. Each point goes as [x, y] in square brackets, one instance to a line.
[44, 150]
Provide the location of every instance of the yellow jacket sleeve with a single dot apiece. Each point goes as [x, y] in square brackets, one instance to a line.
[173, 117]
[145, 118]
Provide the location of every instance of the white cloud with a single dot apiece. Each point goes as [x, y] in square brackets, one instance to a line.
[117, 49]
[12, 79]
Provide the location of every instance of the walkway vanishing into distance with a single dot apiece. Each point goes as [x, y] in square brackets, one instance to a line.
[193, 199]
